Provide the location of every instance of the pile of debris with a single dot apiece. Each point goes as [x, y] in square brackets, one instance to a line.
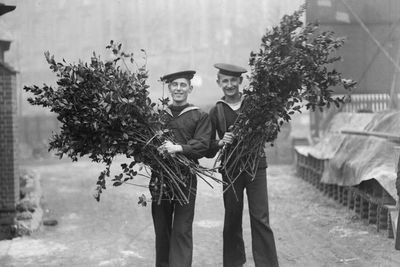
[29, 212]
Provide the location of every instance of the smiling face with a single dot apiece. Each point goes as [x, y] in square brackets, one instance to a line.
[229, 85]
[180, 89]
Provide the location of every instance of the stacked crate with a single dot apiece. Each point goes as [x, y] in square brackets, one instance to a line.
[368, 200]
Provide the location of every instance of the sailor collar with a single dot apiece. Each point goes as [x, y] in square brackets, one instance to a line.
[222, 100]
[187, 109]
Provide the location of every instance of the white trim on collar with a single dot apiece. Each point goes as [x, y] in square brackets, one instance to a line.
[187, 109]
[229, 105]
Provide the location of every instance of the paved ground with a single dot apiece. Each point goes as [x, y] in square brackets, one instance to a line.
[310, 229]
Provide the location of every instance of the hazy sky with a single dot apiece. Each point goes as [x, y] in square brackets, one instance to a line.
[177, 34]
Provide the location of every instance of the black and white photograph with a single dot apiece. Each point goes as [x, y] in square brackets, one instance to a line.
[199, 133]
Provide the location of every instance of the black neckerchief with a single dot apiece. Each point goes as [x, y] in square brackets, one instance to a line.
[176, 110]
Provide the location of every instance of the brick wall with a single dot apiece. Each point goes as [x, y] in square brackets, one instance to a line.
[9, 181]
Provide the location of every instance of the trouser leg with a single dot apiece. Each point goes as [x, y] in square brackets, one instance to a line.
[162, 220]
[233, 244]
[181, 249]
[263, 242]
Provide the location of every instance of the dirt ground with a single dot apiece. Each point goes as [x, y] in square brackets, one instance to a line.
[310, 229]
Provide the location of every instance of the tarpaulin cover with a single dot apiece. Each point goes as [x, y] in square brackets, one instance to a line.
[331, 138]
[360, 158]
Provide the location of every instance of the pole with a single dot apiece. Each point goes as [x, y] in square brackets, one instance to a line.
[394, 101]
[362, 24]
[377, 52]
[397, 230]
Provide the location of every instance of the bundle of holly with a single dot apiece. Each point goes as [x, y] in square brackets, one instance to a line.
[291, 70]
[105, 110]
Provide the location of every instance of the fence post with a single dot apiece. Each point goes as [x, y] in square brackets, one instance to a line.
[397, 230]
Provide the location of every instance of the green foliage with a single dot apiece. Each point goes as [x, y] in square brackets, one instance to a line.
[291, 70]
[104, 110]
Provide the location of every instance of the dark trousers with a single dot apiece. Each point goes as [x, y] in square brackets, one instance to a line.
[173, 228]
[263, 243]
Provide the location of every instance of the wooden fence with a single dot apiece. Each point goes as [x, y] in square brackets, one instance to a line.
[367, 103]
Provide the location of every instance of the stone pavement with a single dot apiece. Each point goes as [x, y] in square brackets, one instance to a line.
[113, 232]
[310, 229]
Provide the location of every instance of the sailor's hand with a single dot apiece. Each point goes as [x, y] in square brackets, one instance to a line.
[171, 148]
[227, 139]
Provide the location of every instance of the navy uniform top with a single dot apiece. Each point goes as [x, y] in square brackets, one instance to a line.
[222, 116]
[192, 130]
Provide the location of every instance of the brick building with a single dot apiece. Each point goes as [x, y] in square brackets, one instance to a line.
[9, 182]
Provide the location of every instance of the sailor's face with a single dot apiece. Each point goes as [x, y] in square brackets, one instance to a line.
[229, 84]
[180, 89]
